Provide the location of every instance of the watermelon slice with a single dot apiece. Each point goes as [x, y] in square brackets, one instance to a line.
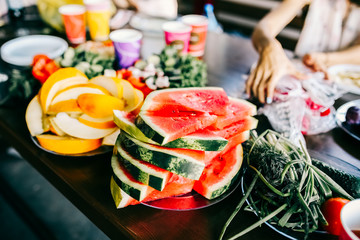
[177, 186]
[204, 140]
[220, 173]
[184, 162]
[142, 171]
[164, 129]
[126, 122]
[128, 183]
[237, 110]
[212, 100]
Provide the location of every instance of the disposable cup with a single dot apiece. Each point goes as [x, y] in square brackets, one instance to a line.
[73, 16]
[177, 34]
[350, 220]
[98, 19]
[127, 45]
[199, 25]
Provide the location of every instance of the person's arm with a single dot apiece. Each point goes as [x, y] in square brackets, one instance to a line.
[319, 61]
[273, 62]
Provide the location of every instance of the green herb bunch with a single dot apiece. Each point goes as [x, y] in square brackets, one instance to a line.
[182, 70]
[282, 185]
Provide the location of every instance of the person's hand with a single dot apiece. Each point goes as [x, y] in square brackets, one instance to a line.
[317, 62]
[272, 65]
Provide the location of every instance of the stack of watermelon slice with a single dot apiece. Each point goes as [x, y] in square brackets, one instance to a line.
[182, 140]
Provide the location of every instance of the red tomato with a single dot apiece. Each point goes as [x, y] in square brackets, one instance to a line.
[331, 210]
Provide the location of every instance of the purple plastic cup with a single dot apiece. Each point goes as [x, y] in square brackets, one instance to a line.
[127, 45]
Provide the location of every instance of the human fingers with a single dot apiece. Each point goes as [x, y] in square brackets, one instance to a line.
[270, 91]
[249, 82]
[259, 76]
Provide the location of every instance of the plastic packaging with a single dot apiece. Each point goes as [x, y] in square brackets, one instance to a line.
[213, 25]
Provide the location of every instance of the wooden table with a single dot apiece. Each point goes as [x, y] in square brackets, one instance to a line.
[85, 180]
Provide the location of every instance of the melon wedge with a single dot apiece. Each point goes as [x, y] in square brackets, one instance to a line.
[220, 173]
[236, 110]
[121, 198]
[164, 129]
[130, 96]
[98, 105]
[101, 123]
[34, 117]
[69, 106]
[61, 79]
[142, 171]
[212, 100]
[112, 84]
[74, 91]
[73, 127]
[184, 162]
[245, 124]
[66, 144]
[110, 139]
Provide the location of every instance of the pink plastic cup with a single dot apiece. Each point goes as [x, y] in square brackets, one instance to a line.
[74, 21]
[199, 25]
[350, 221]
[177, 34]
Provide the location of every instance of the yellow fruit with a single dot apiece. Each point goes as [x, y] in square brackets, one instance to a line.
[69, 106]
[137, 107]
[129, 95]
[74, 91]
[99, 106]
[59, 80]
[101, 123]
[112, 84]
[34, 117]
[73, 127]
[67, 145]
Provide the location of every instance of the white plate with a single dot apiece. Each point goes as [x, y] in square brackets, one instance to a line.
[345, 84]
[20, 51]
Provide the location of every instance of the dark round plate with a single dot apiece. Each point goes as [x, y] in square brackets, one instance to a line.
[190, 201]
[323, 235]
[101, 150]
[352, 130]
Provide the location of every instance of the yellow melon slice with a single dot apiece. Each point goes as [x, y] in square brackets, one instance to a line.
[74, 91]
[111, 138]
[61, 79]
[34, 117]
[73, 127]
[112, 84]
[99, 106]
[69, 106]
[67, 145]
[101, 123]
[129, 95]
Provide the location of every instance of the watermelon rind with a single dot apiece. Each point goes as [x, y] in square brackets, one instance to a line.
[152, 176]
[199, 142]
[195, 141]
[129, 127]
[121, 198]
[149, 130]
[224, 184]
[165, 158]
[133, 188]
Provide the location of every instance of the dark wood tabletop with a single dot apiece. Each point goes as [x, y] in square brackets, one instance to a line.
[85, 180]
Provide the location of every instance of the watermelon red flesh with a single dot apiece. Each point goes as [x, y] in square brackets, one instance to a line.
[164, 129]
[236, 128]
[237, 110]
[218, 176]
[232, 142]
[207, 99]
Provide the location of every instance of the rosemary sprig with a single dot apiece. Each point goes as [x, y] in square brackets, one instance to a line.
[290, 191]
